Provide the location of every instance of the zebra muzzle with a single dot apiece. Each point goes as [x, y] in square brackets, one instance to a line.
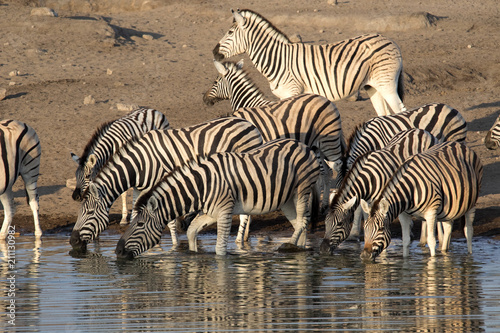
[122, 252]
[325, 247]
[76, 242]
[217, 55]
[490, 144]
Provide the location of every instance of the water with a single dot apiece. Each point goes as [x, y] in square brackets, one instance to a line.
[255, 289]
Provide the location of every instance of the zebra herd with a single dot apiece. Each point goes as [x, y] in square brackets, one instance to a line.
[273, 155]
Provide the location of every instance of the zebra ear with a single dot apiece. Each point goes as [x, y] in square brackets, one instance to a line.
[93, 190]
[238, 18]
[220, 68]
[365, 206]
[152, 204]
[75, 158]
[350, 203]
[239, 64]
[384, 206]
[92, 160]
[333, 194]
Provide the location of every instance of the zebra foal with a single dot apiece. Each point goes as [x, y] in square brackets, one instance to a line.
[20, 153]
[365, 180]
[107, 140]
[308, 118]
[492, 139]
[335, 71]
[440, 184]
[281, 174]
[144, 161]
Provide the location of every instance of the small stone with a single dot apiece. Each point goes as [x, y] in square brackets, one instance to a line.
[43, 11]
[147, 37]
[469, 46]
[296, 38]
[109, 71]
[88, 100]
[14, 73]
[71, 183]
[12, 83]
[126, 107]
[3, 93]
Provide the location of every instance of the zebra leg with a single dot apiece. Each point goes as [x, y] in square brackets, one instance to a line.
[173, 234]
[444, 240]
[430, 219]
[297, 212]
[423, 234]
[290, 213]
[247, 229]
[356, 225]
[224, 222]
[378, 102]
[124, 221]
[201, 221]
[243, 229]
[468, 228]
[135, 195]
[8, 209]
[406, 223]
[32, 193]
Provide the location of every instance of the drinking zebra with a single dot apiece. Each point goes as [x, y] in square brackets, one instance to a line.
[144, 161]
[107, 140]
[281, 174]
[440, 184]
[308, 118]
[492, 139]
[20, 153]
[365, 180]
[335, 71]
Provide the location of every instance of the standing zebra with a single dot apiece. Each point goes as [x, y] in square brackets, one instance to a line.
[107, 140]
[440, 120]
[310, 119]
[281, 174]
[492, 139]
[366, 179]
[144, 161]
[335, 71]
[20, 153]
[440, 184]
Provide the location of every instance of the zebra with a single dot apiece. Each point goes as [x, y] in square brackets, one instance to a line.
[335, 71]
[366, 179]
[309, 118]
[108, 139]
[20, 153]
[440, 120]
[281, 174]
[492, 139]
[142, 162]
[442, 183]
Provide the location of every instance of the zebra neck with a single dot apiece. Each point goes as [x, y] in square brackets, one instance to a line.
[244, 93]
[267, 64]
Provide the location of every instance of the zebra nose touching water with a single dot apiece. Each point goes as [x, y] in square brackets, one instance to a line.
[281, 174]
[335, 71]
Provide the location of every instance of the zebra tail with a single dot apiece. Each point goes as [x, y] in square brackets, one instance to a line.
[401, 88]
[315, 208]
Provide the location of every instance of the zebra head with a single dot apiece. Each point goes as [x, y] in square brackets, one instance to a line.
[93, 218]
[84, 174]
[220, 89]
[234, 41]
[144, 232]
[377, 232]
[338, 223]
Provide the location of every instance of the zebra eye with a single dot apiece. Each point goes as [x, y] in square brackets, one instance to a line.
[140, 224]
[230, 32]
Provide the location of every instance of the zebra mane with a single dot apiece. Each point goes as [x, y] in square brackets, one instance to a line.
[91, 145]
[278, 34]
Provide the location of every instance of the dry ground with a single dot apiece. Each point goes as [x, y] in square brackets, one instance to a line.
[159, 54]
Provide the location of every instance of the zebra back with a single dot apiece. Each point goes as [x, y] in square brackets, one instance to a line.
[367, 178]
[108, 138]
[144, 161]
[440, 120]
[492, 139]
[444, 180]
[234, 83]
[20, 153]
[268, 177]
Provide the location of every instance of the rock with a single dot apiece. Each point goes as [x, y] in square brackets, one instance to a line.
[3, 93]
[296, 38]
[71, 183]
[126, 107]
[88, 100]
[43, 11]
[147, 37]
[14, 73]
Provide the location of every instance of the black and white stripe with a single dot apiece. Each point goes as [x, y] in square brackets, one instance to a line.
[365, 180]
[107, 140]
[308, 118]
[20, 153]
[278, 175]
[440, 184]
[492, 139]
[144, 161]
[335, 71]
[440, 120]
